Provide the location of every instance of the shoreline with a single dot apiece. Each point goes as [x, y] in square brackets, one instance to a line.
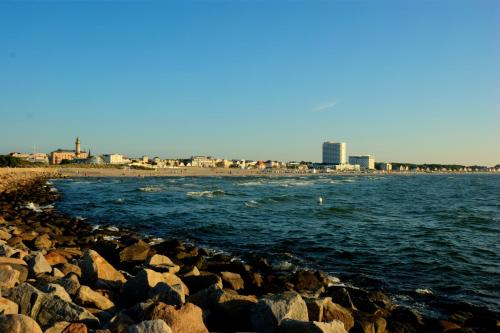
[227, 295]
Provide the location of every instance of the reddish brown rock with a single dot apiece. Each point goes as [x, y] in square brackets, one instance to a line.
[75, 328]
[188, 319]
[54, 258]
[232, 280]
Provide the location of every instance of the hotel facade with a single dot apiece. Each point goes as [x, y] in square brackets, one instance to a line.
[334, 152]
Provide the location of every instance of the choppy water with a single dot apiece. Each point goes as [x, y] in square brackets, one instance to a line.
[405, 234]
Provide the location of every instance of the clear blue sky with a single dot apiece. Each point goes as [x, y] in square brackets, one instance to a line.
[414, 81]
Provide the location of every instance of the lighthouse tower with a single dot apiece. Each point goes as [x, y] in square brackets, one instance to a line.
[77, 147]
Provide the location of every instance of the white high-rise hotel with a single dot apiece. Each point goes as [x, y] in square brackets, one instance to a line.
[334, 152]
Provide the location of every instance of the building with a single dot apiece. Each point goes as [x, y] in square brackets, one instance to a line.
[366, 162]
[113, 159]
[344, 167]
[35, 157]
[57, 156]
[202, 161]
[334, 152]
[385, 166]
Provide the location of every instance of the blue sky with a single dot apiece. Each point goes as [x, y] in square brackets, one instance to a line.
[414, 81]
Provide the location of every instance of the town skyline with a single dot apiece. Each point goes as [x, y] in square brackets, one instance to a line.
[415, 82]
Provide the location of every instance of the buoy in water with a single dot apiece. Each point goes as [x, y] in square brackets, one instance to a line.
[320, 200]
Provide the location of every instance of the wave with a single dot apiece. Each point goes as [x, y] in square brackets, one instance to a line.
[208, 194]
[149, 189]
[424, 291]
[33, 206]
[252, 204]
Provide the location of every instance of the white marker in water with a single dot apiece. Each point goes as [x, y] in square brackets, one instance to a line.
[320, 200]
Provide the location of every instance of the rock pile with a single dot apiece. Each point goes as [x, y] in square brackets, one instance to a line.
[59, 275]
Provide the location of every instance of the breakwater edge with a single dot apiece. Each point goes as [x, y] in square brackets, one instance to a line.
[63, 272]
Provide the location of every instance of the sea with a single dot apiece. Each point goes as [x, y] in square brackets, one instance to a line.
[417, 237]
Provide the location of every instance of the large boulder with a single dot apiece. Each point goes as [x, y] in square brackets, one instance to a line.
[135, 253]
[75, 328]
[162, 263]
[150, 326]
[47, 309]
[7, 306]
[232, 280]
[57, 327]
[90, 298]
[188, 319]
[96, 270]
[150, 284]
[202, 281]
[233, 310]
[55, 289]
[17, 264]
[332, 311]
[9, 277]
[272, 309]
[55, 258]
[39, 265]
[18, 324]
[297, 326]
[70, 283]
[43, 242]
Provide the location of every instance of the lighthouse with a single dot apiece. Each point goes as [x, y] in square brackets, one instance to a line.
[77, 147]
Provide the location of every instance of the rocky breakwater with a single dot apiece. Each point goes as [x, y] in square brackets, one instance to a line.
[60, 275]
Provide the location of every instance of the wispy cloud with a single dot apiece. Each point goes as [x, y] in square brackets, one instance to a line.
[326, 106]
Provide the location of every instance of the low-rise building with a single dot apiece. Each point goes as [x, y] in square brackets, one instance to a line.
[57, 156]
[113, 159]
[385, 166]
[366, 162]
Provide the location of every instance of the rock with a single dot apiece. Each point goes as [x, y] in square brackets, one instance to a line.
[307, 281]
[17, 323]
[54, 258]
[315, 307]
[29, 236]
[90, 298]
[172, 295]
[341, 296]
[55, 289]
[272, 309]
[146, 284]
[4, 235]
[57, 327]
[232, 280]
[47, 309]
[96, 270]
[9, 277]
[234, 310]
[7, 306]
[6, 251]
[150, 326]
[297, 326]
[206, 298]
[75, 328]
[332, 311]
[120, 323]
[70, 268]
[17, 264]
[137, 252]
[202, 281]
[70, 283]
[162, 263]
[57, 273]
[38, 265]
[43, 242]
[188, 319]
[192, 271]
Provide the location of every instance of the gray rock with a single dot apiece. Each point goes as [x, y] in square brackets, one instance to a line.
[55, 289]
[172, 295]
[9, 277]
[70, 283]
[47, 309]
[38, 265]
[150, 326]
[141, 286]
[18, 324]
[272, 309]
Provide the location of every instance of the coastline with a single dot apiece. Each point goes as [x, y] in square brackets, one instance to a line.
[217, 292]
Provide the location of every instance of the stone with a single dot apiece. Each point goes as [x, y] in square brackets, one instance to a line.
[57, 327]
[57, 273]
[9, 277]
[272, 309]
[234, 309]
[17, 323]
[140, 287]
[340, 295]
[96, 270]
[47, 309]
[55, 289]
[315, 307]
[7, 306]
[70, 283]
[162, 263]
[150, 326]
[232, 280]
[297, 326]
[17, 264]
[192, 271]
[6, 251]
[54, 258]
[172, 279]
[29, 235]
[75, 328]
[43, 242]
[70, 268]
[38, 265]
[188, 319]
[120, 323]
[4, 235]
[137, 252]
[202, 281]
[332, 311]
[307, 280]
[90, 298]
[163, 292]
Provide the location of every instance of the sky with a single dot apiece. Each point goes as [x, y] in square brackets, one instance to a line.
[406, 81]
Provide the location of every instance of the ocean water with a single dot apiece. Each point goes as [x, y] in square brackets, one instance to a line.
[417, 237]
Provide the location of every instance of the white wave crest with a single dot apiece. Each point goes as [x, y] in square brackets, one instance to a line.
[424, 291]
[33, 206]
[208, 194]
[149, 189]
